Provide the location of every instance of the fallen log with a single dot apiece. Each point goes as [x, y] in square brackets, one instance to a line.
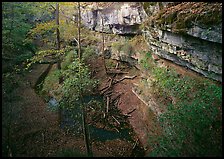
[111, 82]
[125, 77]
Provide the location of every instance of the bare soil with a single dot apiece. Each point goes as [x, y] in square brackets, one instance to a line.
[141, 119]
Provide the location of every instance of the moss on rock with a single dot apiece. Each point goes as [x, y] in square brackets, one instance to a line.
[186, 14]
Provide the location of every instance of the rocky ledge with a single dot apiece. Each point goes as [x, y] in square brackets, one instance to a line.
[185, 35]
[117, 18]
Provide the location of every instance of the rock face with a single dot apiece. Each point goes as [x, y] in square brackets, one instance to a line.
[198, 46]
[186, 33]
[119, 18]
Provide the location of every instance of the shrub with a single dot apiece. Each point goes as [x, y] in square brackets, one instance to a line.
[77, 82]
[71, 55]
[88, 52]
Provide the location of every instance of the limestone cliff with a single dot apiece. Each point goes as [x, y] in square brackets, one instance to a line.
[188, 34]
[117, 18]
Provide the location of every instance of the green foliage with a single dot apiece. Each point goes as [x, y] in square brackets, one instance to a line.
[43, 29]
[15, 25]
[69, 58]
[51, 82]
[88, 53]
[191, 125]
[77, 82]
[22, 58]
[147, 62]
[41, 56]
[9, 83]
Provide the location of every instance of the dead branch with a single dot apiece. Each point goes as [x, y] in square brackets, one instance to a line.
[104, 115]
[103, 88]
[111, 80]
[108, 87]
[116, 120]
[53, 7]
[117, 65]
[125, 77]
[76, 41]
[131, 111]
[126, 115]
[116, 129]
[135, 144]
[116, 103]
[92, 108]
[108, 93]
[108, 79]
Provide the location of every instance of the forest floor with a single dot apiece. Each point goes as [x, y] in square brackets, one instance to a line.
[142, 118]
[35, 131]
[30, 129]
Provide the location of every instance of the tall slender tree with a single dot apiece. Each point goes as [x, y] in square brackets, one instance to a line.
[85, 126]
[103, 42]
[58, 47]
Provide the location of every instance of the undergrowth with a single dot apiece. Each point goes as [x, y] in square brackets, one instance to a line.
[191, 125]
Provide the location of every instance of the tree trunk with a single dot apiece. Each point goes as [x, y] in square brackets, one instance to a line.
[79, 26]
[58, 40]
[57, 30]
[85, 126]
[103, 46]
[86, 130]
[58, 48]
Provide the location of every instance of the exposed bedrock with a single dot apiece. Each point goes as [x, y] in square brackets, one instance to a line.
[118, 18]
